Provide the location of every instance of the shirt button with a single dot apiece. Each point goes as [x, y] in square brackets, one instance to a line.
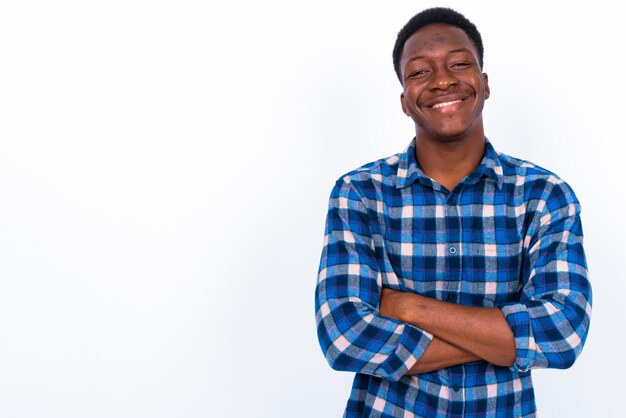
[451, 296]
[456, 388]
[452, 249]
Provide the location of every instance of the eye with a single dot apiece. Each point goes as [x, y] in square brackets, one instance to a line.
[417, 74]
[461, 65]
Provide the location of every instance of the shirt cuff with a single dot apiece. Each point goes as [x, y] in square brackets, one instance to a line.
[413, 343]
[519, 320]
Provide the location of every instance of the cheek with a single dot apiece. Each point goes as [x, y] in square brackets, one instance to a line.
[484, 87]
[412, 97]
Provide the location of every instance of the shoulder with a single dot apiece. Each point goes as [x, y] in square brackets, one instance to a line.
[519, 167]
[371, 176]
[538, 183]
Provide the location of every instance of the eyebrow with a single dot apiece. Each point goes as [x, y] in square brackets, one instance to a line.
[454, 51]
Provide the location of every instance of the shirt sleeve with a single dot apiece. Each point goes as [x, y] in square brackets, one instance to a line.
[551, 321]
[352, 334]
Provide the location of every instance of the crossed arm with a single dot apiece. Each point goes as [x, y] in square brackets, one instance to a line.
[366, 328]
[461, 333]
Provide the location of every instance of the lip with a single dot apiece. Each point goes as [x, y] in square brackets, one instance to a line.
[444, 102]
[445, 105]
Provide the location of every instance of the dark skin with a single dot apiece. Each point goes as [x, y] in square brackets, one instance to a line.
[444, 91]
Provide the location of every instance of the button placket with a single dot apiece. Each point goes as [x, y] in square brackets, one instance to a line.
[453, 253]
[456, 391]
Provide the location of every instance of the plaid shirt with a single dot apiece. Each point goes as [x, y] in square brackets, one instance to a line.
[508, 236]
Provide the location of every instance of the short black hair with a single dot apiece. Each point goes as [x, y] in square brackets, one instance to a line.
[430, 16]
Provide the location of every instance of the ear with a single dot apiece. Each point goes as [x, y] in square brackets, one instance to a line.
[487, 91]
[405, 110]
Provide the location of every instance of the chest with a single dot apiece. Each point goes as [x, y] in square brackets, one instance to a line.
[464, 247]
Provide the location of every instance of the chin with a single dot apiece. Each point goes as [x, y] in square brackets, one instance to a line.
[450, 135]
[452, 132]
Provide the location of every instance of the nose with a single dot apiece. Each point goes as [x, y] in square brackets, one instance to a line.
[442, 79]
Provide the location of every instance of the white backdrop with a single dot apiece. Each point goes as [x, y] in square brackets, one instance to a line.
[164, 175]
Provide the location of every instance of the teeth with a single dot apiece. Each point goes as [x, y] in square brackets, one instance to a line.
[438, 105]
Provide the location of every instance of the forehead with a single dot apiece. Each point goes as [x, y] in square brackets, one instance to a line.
[436, 38]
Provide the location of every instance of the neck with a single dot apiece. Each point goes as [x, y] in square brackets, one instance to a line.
[449, 162]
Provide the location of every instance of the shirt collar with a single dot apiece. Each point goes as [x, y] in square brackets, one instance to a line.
[409, 171]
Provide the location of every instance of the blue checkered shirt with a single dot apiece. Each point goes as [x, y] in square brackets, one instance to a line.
[507, 236]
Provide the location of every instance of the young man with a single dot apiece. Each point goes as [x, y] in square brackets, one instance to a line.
[449, 270]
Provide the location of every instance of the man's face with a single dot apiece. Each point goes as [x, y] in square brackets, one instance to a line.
[444, 88]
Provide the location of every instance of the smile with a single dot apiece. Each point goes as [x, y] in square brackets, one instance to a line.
[444, 104]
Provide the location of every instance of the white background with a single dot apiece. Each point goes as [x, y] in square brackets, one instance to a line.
[164, 175]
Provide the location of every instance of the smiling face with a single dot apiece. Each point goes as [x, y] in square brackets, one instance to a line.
[444, 88]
